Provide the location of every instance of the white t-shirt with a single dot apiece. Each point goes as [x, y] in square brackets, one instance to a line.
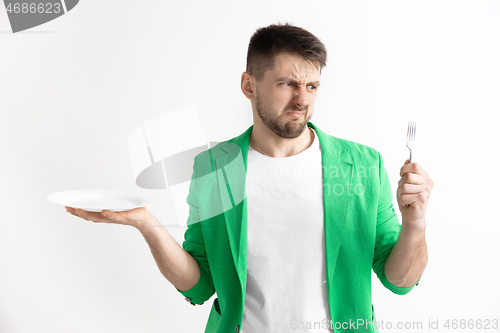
[286, 273]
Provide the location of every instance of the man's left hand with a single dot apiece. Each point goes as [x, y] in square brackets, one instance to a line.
[413, 193]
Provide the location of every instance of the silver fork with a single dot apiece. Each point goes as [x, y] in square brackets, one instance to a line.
[410, 137]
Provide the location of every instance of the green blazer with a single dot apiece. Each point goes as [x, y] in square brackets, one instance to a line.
[360, 224]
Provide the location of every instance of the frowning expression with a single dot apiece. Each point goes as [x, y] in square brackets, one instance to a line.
[285, 96]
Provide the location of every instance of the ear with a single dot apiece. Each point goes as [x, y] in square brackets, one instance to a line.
[247, 85]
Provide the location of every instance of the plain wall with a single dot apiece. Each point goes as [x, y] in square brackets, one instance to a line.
[73, 89]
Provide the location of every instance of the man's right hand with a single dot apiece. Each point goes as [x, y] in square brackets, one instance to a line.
[175, 263]
[136, 217]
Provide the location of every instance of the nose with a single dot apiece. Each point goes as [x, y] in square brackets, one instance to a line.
[301, 98]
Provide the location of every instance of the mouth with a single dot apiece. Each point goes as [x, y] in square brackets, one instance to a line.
[295, 114]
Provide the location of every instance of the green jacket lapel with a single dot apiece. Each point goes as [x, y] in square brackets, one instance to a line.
[337, 174]
[231, 166]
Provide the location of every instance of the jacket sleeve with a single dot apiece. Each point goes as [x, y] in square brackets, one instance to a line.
[387, 233]
[194, 244]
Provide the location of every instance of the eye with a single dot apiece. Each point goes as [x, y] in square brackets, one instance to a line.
[312, 87]
[287, 84]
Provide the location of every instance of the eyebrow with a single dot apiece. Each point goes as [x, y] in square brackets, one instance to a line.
[288, 78]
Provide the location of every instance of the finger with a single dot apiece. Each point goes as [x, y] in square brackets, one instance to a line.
[420, 194]
[420, 170]
[407, 199]
[412, 199]
[71, 210]
[407, 188]
[90, 216]
[412, 168]
[413, 178]
[113, 216]
[74, 214]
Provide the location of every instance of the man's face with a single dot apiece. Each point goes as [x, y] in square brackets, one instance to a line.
[285, 96]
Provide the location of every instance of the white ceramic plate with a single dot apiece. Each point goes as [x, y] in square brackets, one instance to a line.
[99, 200]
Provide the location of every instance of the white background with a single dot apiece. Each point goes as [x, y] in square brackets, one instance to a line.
[73, 89]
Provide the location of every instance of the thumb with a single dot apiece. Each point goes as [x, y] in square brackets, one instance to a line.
[407, 161]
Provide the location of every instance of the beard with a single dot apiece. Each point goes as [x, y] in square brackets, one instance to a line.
[278, 124]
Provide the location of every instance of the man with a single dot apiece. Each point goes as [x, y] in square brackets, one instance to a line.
[288, 241]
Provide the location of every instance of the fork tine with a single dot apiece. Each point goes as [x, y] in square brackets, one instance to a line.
[412, 130]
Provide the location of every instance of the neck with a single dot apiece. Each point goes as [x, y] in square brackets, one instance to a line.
[268, 143]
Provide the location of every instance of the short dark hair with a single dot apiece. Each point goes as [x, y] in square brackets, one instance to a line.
[269, 41]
